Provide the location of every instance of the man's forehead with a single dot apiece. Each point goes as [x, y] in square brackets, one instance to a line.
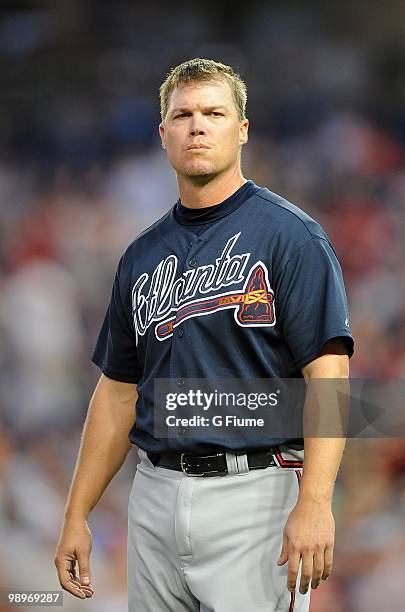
[213, 92]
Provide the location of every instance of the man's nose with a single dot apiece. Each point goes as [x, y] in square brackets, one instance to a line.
[196, 126]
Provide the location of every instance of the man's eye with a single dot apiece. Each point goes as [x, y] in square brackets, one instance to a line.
[181, 115]
[216, 114]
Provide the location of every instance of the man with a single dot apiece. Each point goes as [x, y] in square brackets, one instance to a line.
[214, 525]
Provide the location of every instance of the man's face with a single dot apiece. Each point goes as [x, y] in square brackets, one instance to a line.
[202, 133]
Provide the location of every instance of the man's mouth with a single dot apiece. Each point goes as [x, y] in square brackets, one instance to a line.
[197, 146]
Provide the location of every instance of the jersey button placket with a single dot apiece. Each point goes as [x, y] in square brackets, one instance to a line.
[188, 262]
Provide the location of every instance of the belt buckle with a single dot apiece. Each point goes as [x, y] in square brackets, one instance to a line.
[184, 467]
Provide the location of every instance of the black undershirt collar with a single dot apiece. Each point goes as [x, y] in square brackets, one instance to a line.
[194, 217]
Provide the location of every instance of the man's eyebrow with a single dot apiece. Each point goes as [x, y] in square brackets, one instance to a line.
[184, 109]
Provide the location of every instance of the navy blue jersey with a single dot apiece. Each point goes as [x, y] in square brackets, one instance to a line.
[178, 311]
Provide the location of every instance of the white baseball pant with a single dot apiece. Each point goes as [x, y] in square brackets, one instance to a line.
[211, 544]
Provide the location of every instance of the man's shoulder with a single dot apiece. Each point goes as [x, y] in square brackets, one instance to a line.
[150, 233]
[289, 216]
[141, 246]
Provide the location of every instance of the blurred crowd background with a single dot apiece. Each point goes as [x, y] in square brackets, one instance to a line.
[82, 173]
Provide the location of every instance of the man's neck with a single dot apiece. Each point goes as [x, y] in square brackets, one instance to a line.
[194, 195]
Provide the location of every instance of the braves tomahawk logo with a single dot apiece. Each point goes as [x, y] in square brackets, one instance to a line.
[253, 305]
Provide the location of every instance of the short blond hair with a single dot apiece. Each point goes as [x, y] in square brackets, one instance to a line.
[198, 69]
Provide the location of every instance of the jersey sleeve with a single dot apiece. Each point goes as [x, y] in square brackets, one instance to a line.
[115, 352]
[310, 301]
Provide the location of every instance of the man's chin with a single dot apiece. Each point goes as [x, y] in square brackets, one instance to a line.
[199, 172]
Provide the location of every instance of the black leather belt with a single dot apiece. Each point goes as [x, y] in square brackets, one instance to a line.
[209, 465]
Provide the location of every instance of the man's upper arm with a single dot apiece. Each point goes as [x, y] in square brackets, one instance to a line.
[121, 396]
[116, 351]
[332, 361]
[312, 303]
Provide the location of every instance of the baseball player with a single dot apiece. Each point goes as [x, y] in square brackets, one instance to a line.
[235, 282]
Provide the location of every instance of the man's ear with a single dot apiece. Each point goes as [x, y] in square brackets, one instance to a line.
[243, 132]
[162, 134]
